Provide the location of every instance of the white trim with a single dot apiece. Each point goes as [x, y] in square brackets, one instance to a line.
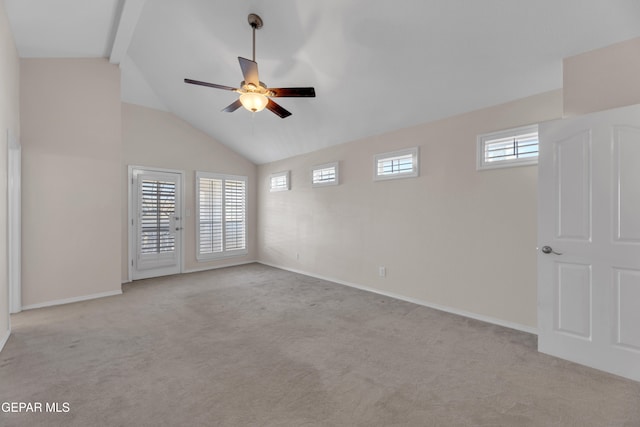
[286, 174]
[224, 255]
[131, 11]
[215, 267]
[72, 300]
[482, 138]
[463, 313]
[336, 170]
[4, 339]
[413, 173]
[131, 213]
[14, 220]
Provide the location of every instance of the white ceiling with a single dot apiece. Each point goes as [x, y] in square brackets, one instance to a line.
[376, 65]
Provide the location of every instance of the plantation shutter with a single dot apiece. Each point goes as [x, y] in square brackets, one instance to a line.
[395, 165]
[511, 147]
[234, 210]
[506, 148]
[279, 181]
[158, 200]
[222, 229]
[324, 175]
[210, 216]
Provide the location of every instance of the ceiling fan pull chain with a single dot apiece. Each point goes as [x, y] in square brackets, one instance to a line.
[253, 124]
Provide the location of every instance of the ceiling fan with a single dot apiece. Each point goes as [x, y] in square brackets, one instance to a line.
[254, 94]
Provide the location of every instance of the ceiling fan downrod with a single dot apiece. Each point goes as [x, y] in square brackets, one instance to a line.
[256, 23]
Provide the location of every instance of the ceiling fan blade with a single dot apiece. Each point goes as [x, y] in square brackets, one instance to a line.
[249, 71]
[303, 92]
[213, 85]
[277, 109]
[233, 107]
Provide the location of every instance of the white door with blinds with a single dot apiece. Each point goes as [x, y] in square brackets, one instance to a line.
[156, 223]
[221, 215]
[589, 240]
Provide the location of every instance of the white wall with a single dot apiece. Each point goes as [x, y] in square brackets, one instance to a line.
[453, 237]
[466, 240]
[9, 120]
[602, 78]
[159, 139]
[71, 164]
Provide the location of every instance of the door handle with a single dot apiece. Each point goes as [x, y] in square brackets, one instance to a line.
[178, 228]
[549, 250]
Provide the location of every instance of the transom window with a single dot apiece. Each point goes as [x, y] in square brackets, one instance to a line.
[279, 181]
[324, 175]
[512, 147]
[397, 164]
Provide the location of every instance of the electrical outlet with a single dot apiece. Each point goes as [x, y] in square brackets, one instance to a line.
[382, 271]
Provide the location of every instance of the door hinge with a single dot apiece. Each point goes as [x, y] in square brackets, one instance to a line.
[131, 263]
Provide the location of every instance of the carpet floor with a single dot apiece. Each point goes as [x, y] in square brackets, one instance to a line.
[257, 346]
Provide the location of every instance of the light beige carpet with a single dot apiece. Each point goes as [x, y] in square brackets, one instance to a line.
[257, 346]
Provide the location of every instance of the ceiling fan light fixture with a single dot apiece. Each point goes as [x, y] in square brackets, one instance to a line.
[254, 95]
[253, 101]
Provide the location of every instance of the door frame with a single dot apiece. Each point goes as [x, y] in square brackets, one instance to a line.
[14, 217]
[131, 211]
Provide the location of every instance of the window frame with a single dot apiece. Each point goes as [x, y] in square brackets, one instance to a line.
[413, 173]
[482, 139]
[225, 253]
[336, 179]
[287, 177]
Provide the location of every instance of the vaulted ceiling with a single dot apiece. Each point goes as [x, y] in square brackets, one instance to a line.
[376, 65]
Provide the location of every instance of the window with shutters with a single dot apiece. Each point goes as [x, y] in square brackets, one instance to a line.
[511, 147]
[397, 164]
[221, 206]
[157, 207]
[279, 181]
[326, 174]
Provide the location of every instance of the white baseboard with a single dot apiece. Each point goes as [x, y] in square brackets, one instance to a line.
[471, 315]
[4, 339]
[71, 300]
[195, 270]
[233, 264]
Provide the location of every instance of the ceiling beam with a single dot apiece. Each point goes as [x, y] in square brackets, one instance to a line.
[131, 12]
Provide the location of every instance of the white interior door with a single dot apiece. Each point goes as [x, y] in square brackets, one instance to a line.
[589, 240]
[156, 223]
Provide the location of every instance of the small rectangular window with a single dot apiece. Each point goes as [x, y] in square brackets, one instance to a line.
[512, 147]
[397, 164]
[279, 181]
[324, 175]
